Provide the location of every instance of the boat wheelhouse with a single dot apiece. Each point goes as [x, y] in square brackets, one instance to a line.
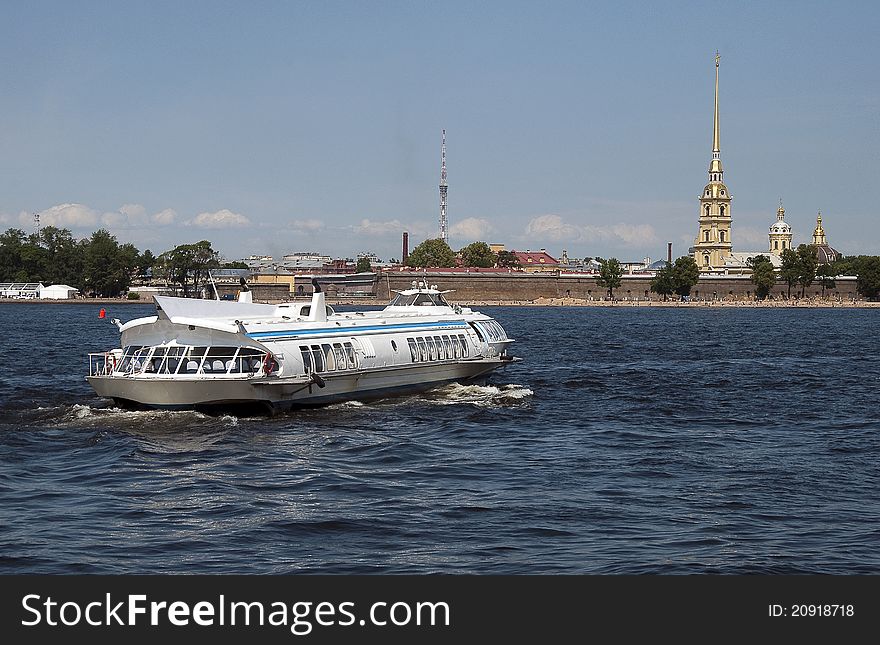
[203, 354]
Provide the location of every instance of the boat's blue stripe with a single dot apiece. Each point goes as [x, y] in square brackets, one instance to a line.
[294, 333]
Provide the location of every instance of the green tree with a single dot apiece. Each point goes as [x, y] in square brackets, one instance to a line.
[826, 274]
[432, 253]
[610, 274]
[808, 261]
[763, 275]
[868, 271]
[145, 264]
[685, 274]
[664, 282]
[107, 266]
[478, 254]
[187, 265]
[508, 259]
[844, 265]
[363, 265]
[11, 243]
[234, 265]
[35, 260]
[790, 270]
[66, 256]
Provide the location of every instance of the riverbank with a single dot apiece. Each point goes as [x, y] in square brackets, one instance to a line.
[805, 303]
[576, 302]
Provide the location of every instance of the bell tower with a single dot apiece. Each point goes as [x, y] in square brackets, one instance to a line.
[713, 244]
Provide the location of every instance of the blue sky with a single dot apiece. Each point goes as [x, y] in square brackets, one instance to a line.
[273, 127]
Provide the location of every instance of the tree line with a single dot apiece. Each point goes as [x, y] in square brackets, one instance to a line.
[99, 265]
[437, 253]
[677, 277]
[801, 268]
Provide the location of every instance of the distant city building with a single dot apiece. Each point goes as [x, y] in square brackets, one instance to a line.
[308, 256]
[533, 262]
[372, 257]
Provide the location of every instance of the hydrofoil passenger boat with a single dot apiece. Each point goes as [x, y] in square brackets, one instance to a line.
[208, 354]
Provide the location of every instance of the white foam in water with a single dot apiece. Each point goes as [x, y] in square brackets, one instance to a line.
[483, 395]
[346, 404]
[81, 411]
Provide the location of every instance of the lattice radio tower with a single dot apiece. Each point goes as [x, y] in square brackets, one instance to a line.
[37, 225]
[444, 187]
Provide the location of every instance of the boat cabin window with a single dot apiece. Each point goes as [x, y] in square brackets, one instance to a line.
[447, 345]
[307, 358]
[463, 344]
[129, 355]
[441, 349]
[341, 361]
[317, 358]
[491, 330]
[437, 348]
[352, 355]
[185, 359]
[328, 357]
[419, 300]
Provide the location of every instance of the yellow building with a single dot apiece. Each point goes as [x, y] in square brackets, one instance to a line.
[713, 244]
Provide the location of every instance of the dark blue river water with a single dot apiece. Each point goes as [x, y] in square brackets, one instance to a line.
[629, 440]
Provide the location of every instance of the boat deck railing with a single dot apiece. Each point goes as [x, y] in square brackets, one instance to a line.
[214, 365]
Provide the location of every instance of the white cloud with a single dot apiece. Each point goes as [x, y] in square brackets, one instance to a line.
[63, 216]
[471, 228]
[630, 234]
[307, 225]
[165, 217]
[552, 228]
[220, 219]
[5, 219]
[128, 216]
[753, 239]
[370, 227]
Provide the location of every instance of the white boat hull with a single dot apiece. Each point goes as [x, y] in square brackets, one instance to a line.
[274, 393]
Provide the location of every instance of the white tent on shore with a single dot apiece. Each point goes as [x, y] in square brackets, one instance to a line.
[58, 292]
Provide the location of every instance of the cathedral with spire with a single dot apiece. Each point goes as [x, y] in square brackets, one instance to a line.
[713, 248]
[713, 244]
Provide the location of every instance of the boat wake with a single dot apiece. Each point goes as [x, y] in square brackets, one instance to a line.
[481, 395]
[80, 415]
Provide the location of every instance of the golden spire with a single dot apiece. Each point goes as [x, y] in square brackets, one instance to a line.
[715, 169]
[716, 146]
[819, 232]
